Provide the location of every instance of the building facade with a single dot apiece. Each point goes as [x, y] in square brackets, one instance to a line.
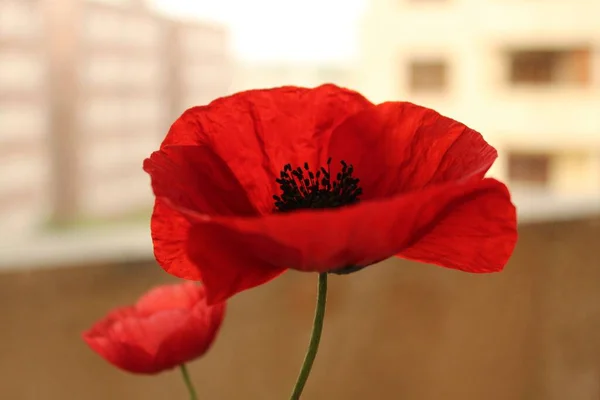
[25, 179]
[87, 90]
[525, 74]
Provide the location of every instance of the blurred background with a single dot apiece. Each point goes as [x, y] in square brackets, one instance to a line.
[89, 88]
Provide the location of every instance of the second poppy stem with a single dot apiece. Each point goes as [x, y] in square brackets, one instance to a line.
[315, 338]
[188, 382]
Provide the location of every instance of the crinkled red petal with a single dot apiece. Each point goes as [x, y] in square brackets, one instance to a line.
[400, 147]
[474, 222]
[256, 132]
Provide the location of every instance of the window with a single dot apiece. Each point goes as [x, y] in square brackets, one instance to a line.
[428, 76]
[546, 66]
[531, 169]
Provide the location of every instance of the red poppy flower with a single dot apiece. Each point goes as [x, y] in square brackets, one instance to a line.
[322, 180]
[168, 326]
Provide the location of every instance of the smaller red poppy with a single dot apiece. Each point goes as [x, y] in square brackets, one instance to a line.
[168, 326]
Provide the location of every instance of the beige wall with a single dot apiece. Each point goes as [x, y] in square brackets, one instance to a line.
[399, 331]
[571, 172]
[576, 173]
[473, 36]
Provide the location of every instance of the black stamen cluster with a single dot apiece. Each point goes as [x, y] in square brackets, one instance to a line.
[301, 188]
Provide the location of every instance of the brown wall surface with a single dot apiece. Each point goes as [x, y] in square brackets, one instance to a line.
[399, 330]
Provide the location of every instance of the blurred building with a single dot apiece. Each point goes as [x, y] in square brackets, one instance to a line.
[24, 128]
[86, 93]
[265, 74]
[526, 74]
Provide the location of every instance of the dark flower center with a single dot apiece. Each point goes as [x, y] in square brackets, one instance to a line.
[305, 189]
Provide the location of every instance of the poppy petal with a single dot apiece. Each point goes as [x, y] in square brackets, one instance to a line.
[476, 236]
[398, 147]
[194, 338]
[104, 338]
[102, 326]
[324, 240]
[169, 237]
[194, 177]
[124, 356]
[257, 132]
[148, 334]
[228, 268]
[168, 297]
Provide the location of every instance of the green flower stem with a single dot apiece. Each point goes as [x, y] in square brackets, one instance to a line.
[315, 338]
[188, 382]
